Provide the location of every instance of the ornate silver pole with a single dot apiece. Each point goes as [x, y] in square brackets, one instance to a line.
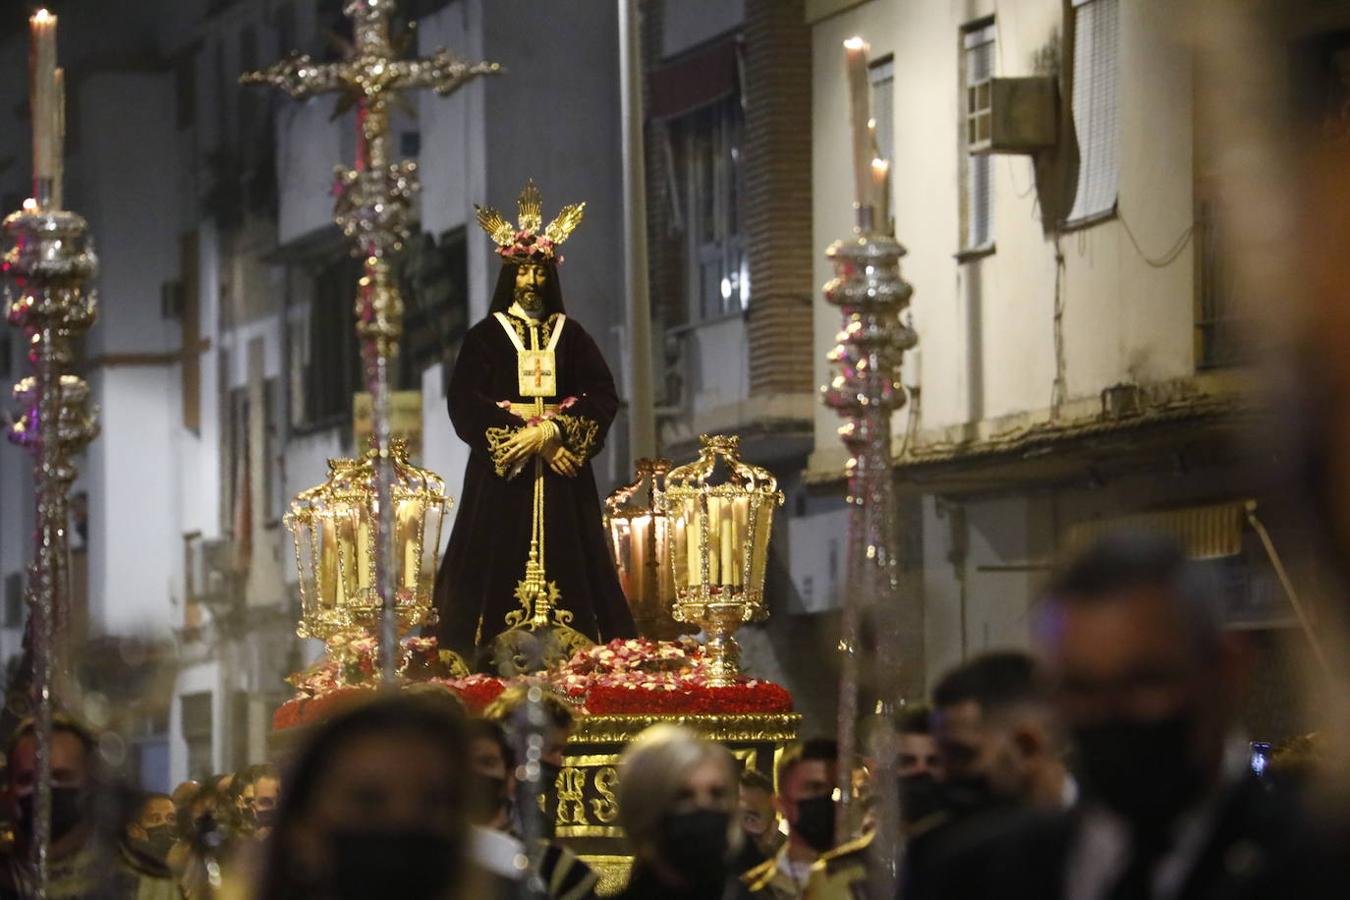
[373, 209]
[48, 261]
[866, 391]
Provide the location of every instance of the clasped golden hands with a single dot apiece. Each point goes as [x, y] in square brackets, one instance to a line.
[544, 440]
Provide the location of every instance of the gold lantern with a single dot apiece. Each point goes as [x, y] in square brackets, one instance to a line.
[638, 535]
[719, 546]
[334, 528]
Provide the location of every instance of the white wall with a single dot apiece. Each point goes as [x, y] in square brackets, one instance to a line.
[128, 142]
[985, 327]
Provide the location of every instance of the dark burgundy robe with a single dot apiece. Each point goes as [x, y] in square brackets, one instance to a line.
[491, 538]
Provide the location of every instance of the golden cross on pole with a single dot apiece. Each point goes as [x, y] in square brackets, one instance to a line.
[372, 209]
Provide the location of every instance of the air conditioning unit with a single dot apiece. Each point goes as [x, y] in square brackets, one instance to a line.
[1011, 115]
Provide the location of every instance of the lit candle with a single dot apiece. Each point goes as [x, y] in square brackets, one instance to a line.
[328, 565]
[59, 140]
[881, 193]
[42, 97]
[724, 531]
[714, 541]
[408, 517]
[363, 561]
[855, 56]
[637, 542]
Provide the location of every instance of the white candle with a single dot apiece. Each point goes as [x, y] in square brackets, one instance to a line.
[42, 71]
[881, 193]
[859, 103]
[363, 555]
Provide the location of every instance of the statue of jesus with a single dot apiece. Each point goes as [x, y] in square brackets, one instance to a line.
[532, 397]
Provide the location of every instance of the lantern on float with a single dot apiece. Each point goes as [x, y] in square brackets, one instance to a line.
[334, 530]
[719, 546]
[638, 536]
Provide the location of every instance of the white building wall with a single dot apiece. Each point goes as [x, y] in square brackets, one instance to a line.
[128, 142]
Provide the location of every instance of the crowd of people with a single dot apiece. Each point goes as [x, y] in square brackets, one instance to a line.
[1106, 764]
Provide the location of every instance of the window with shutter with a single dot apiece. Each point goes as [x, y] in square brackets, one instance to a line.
[1096, 120]
[977, 201]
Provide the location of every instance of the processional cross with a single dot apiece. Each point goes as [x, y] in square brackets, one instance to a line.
[374, 199]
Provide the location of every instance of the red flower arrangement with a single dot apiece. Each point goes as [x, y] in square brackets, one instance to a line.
[632, 677]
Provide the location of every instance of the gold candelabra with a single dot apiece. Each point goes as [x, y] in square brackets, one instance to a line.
[639, 533]
[719, 546]
[373, 205]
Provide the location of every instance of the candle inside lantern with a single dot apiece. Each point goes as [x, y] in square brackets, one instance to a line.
[409, 516]
[881, 192]
[328, 564]
[726, 544]
[363, 560]
[42, 100]
[855, 56]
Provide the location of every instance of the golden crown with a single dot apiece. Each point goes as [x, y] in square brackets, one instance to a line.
[524, 241]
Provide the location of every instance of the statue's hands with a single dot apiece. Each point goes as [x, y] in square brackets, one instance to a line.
[525, 443]
[563, 461]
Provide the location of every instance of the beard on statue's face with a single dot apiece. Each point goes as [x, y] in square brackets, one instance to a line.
[529, 292]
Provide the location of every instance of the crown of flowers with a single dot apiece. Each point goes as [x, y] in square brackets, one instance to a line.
[524, 241]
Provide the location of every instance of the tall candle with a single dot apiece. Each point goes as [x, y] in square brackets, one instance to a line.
[327, 587]
[363, 561]
[859, 103]
[881, 193]
[59, 140]
[729, 567]
[742, 541]
[714, 541]
[42, 72]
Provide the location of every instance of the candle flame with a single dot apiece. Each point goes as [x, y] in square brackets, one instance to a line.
[43, 17]
[30, 205]
[881, 166]
[855, 43]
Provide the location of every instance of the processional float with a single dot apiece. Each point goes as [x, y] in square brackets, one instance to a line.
[48, 262]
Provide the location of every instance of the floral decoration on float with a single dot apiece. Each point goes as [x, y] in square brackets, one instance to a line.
[624, 677]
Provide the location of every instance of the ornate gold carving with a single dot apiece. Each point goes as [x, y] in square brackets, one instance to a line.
[605, 808]
[572, 797]
[770, 727]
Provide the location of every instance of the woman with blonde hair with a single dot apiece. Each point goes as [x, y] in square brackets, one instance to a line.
[677, 794]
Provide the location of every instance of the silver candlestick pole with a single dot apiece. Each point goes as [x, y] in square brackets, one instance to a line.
[866, 391]
[49, 261]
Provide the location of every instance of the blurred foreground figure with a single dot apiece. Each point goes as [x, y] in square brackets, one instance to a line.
[497, 850]
[83, 861]
[375, 805]
[807, 776]
[677, 793]
[1148, 685]
[759, 820]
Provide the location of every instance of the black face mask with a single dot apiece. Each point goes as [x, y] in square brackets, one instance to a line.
[695, 844]
[264, 818]
[1144, 770]
[67, 811]
[920, 796]
[408, 864]
[157, 841]
[815, 822]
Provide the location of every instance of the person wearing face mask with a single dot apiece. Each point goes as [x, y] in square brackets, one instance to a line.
[1149, 685]
[375, 805]
[532, 397]
[677, 796]
[1001, 751]
[807, 781]
[494, 847]
[83, 861]
[759, 820]
[266, 788]
[152, 830]
[510, 711]
[844, 872]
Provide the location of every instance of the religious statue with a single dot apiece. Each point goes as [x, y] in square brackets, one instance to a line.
[527, 578]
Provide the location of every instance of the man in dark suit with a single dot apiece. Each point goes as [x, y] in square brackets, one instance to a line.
[1147, 683]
